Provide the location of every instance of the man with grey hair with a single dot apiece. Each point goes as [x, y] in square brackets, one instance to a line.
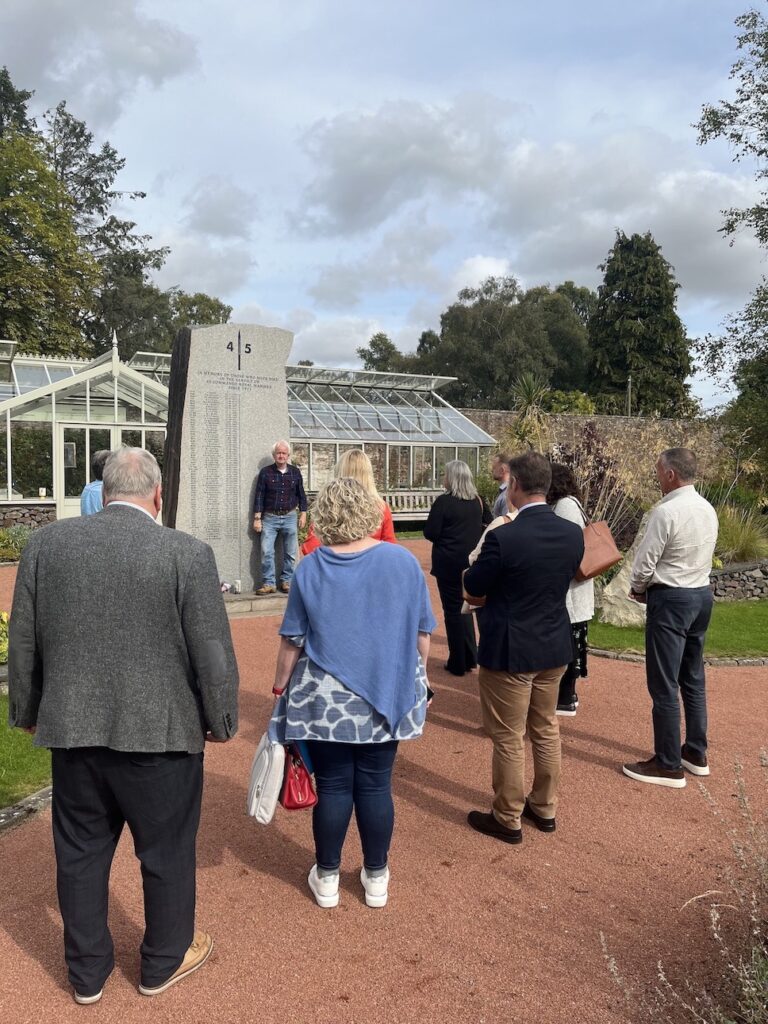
[279, 494]
[121, 662]
[670, 574]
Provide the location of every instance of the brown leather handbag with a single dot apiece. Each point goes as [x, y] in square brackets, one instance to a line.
[600, 551]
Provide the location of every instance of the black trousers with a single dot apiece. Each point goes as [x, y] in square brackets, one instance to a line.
[95, 792]
[675, 629]
[459, 629]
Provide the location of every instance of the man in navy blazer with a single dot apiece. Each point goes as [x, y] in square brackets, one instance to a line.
[523, 571]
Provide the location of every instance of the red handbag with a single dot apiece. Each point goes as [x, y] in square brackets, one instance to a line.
[297, 791]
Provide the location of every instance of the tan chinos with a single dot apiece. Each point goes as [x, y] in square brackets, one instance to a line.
[510, 704]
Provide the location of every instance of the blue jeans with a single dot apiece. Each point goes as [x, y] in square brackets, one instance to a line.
[675, 628]
[271, 526]
[351, 775]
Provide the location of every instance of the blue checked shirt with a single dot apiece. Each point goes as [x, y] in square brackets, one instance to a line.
[279, 493]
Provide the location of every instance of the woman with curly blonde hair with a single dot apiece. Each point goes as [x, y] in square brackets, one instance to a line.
[356, 465]
[351, 679]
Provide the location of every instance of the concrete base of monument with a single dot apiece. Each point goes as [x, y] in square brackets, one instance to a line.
[252, 604]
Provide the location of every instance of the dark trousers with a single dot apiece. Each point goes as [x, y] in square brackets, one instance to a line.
[95, 792]
[675, 628]
[459, 629]
[351, 775]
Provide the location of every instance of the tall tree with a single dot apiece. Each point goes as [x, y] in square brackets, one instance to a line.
[488, 339]
[13, 106]
[566, 332]
[748, 412]
[635, 329]
[382, 354]
[125, 295]
[46, 274]
[743, 122]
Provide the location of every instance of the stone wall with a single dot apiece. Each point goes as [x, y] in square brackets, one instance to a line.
[27, 515]
[741, 582]
[567, 427]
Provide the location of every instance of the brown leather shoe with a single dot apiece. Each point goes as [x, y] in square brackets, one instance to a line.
[651, 771]
[285, 587]
[264, 589]
[195, 957]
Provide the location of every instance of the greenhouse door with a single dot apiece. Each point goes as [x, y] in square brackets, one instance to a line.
[75, 444]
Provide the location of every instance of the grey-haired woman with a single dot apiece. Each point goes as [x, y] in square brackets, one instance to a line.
[455, 525]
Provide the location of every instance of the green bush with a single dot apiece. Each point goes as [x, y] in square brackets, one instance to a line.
[743, 535]
[13, 540]
[4, 617]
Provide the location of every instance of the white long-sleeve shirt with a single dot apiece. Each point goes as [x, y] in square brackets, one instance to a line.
[678, 544]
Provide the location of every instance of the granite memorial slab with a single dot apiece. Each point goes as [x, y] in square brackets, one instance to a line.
[227, 405]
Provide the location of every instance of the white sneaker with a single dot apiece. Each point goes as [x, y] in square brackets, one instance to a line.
[375, 888]
[325, 890]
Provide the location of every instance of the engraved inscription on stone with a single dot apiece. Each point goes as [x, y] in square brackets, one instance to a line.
[235, 408]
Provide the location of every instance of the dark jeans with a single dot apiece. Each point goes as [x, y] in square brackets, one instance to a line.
[459, 629]
[675, 627]
[95, 792]
[351, 775]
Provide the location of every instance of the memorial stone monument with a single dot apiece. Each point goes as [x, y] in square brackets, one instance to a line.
[227, 405]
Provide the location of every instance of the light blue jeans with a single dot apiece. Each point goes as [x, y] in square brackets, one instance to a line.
[271, 526]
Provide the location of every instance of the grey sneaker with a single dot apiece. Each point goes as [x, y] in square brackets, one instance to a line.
[87, 1000]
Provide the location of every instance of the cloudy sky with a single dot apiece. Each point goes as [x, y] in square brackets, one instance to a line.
[339, 168]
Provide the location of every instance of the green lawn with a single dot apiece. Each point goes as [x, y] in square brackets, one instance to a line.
[23, 768]
[738, 629]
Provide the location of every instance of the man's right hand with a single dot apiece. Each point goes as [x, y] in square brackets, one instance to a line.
[257, 525]
[210, 738]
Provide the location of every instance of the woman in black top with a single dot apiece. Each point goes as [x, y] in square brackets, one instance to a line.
[454, 526]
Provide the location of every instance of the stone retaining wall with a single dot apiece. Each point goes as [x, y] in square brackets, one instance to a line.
[27, 515]
[746, 582]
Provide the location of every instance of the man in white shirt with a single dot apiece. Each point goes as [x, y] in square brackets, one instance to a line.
[671, 574]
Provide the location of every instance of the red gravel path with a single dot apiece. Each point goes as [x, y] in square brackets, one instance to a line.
[475, 931]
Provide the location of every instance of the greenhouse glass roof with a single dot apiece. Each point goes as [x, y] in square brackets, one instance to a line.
[324, 403]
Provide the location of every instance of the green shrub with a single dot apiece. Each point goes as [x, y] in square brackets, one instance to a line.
[743, 535]
[4, 617]
[13, 540]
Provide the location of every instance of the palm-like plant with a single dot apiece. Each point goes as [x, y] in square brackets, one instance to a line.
[528, 392]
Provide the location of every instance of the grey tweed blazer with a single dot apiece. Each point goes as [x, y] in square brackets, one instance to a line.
[119, 637]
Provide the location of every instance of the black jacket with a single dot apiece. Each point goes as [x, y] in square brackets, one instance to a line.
[454, 526]
[524, 570]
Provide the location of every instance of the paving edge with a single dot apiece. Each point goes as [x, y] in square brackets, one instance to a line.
[24, 809]
[597, 652]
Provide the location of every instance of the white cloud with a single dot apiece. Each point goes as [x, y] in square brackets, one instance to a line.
[197, 264]
[220, 208]
[403, 258]
[91, 53]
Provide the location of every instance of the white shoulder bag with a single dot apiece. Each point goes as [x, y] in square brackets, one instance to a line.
[266, 779]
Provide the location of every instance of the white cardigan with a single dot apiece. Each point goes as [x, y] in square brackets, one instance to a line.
[580, 599]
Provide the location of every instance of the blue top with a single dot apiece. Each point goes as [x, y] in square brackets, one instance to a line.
[360, 615]
[90, 499]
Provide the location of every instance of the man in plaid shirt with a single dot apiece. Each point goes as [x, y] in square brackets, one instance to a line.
[279, 495]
